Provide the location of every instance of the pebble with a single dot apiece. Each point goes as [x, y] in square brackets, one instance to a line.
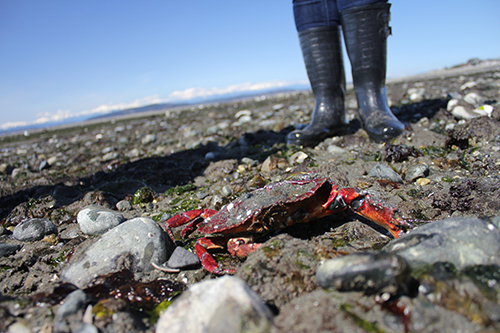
[8, 249]
[467, 85]
[34, 229]
[43, 165]
[183, 259]
[336, 150]
[451, 104]
[416, 94]
[123, 205]
[460, 241]
[473, 98]
[134, 153]
[298, 158]
[370, 273]
[384, 172]
[16, 172]
[273, 162]
[423, 181]
[417, 171]
[460, 112]
[110, 156]
[19, 327]
[226, 304]
[5, 168]
[243, 113]
[277, 107]
[249, 161]
[226, 191]
[96, 220]
[72, 303]
[52, 160]
[139, 240]
[87, 328]
[484, 110]
[149, 138]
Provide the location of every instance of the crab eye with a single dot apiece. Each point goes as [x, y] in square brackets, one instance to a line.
[337, 204]
[357, 203]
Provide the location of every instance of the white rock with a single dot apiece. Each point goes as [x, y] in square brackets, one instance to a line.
[416, 94]
[223, 125]
[277, 107]
[298, 158]
[460, 112]
[148, 139]
[473, 98]
[110, 156]
[226, 304]
[242, 113]
[245, 119]
[451, 104]
[469, 84]
[484, 110]
[134, 153]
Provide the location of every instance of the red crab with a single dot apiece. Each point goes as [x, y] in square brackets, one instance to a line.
[255, 214]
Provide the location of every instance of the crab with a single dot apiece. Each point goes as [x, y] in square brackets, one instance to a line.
[275, 206]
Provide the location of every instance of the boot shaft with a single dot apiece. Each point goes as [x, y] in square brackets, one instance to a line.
[366, 29]
[322, 53]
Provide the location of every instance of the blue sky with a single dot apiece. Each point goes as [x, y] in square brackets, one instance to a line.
[61, 58]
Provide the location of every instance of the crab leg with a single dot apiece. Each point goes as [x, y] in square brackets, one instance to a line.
[241, 247]
[191, 218]
[385, 216]
[206, 259]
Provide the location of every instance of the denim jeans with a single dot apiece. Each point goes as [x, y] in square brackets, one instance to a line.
[322, 13]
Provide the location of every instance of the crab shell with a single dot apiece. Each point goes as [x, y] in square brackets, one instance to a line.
[273, 207]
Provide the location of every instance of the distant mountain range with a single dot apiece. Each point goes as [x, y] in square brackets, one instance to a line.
[150, 108]
[146, 108]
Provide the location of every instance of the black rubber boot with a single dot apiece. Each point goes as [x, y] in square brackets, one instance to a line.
[322, 52]
[366, 29]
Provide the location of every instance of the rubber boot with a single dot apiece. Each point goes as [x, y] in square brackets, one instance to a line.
[366, 29]
[322, 52]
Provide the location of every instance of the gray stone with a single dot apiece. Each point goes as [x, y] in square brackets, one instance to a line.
[8, 249]
[34, 229]
[223, 305]
[322, 311]
[140, 241]
[336, 150]
[123, 205]
[460, 241]
[416, 171]
[87, 328]
[384, 172]
[72, 303]
[43, 165]
[96, 220]
[367, 272]
[183, 259]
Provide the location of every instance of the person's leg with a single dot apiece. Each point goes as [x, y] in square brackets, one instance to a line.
[317, 23]
[366, 29]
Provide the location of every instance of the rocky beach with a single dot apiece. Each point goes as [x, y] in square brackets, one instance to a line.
[84, 246]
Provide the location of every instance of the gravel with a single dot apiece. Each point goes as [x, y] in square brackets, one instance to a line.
[443, 175]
